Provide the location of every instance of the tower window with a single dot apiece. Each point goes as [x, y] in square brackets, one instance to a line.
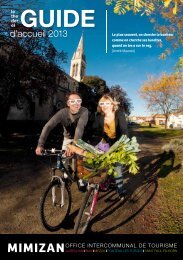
[73, 70]
[76, 72]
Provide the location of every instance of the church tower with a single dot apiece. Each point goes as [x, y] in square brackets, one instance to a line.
[78, 62]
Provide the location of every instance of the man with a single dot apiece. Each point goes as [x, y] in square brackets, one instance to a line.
[73, 119]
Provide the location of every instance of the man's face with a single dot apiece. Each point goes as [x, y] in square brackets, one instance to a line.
[74, 103]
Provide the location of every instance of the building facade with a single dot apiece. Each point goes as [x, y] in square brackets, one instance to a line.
[64, 83]
[175, 120]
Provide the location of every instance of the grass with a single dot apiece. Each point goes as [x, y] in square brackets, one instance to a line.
[167, 209]
[156, 131]
[170, 199]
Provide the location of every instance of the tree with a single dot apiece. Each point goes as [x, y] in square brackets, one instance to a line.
[166, 12]
[163, 95]
[88, 97]
[29, 64]
[25, 77]
[179, 65]
[144, 6]
[97, 84]
[120, 94]
[95, 87]
[121, 6]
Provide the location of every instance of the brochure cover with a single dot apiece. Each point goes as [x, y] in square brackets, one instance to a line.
[130, 48]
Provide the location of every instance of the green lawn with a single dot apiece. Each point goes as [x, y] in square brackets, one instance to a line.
[156, 131]
[169, 207]
[171, 200]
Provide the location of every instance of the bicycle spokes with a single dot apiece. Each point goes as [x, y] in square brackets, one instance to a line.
[55, 205]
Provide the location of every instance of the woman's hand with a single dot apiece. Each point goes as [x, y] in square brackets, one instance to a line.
[76, 149]
[68, 152]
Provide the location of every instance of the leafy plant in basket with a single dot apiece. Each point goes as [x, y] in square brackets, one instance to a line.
[123, 151]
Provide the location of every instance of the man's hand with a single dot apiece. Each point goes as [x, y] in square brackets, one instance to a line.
[39, 150]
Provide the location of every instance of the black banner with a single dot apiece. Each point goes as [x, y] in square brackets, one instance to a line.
[57, 245]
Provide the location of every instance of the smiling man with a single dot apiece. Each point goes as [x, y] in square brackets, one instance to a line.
[73, 118]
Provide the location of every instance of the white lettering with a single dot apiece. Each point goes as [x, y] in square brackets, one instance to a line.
[34, 20]
[50, 248]
[59, 23]
[28, 248]
[60, 247]
[66, 18]
[35, 247]
[41, 18]
[42, 246]
[85, 18]
[70, 18]
[12, 247]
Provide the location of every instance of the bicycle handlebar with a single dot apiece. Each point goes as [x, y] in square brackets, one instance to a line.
[55, 152]
[52, 151]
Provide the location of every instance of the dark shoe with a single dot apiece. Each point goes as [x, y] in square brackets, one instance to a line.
[121, 198]
[123, 195]
[104, 186]
[82, 185]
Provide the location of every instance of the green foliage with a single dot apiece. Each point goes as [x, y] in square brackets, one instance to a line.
[121, 96]
[123, 151]
[97, 84]
[137, 6]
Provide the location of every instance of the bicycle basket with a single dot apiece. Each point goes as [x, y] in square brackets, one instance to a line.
[98, 178]
[81, 170]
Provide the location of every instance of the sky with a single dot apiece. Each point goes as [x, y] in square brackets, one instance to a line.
[129, 70]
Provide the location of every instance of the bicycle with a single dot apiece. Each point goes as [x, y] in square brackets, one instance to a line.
[55, 203]
[89, 203]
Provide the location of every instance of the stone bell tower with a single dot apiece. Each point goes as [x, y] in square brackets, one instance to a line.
[78, 62]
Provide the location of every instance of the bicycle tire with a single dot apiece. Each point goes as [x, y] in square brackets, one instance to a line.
[83, 219]
[53, 216]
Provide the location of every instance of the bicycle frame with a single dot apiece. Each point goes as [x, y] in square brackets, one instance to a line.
[60, 166]
[61, 190]
[89, 203]
[90, 213]
[96, 188]
[57, 195]
[95, 197]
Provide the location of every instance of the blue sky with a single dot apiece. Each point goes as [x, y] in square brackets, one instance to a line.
[129, 70]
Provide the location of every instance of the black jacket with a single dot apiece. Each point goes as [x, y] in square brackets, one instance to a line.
[98, 128]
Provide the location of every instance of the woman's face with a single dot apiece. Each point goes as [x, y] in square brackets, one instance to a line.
[106, 106]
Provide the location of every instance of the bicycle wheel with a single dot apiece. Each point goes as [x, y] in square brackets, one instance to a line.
[85, 213]
[55, 205]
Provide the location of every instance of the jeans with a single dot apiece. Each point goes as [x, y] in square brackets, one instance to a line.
[119, 178]
[72, 162]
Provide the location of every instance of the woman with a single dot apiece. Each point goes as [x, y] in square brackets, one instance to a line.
[109, 125]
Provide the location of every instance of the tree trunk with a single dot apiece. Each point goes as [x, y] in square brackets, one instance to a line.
[166, 121]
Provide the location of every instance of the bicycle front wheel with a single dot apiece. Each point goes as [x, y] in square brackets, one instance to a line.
[55, 205]
[85, 212]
